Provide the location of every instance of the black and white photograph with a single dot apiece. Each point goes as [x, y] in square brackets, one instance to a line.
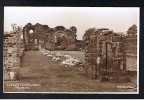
[87, 50]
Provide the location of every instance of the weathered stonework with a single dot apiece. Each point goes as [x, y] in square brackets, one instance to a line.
[131, 40]
[131, 47]
[105, 55]
[12, 54]
[58, 38]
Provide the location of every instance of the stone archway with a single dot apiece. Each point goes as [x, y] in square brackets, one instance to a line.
[35, 35]
[31, 40]
[60, 40]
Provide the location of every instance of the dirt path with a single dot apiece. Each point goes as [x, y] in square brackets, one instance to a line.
[43, 75]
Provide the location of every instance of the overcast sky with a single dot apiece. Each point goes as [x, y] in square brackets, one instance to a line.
[117, 19]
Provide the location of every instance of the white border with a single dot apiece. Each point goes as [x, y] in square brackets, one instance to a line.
[137, 92]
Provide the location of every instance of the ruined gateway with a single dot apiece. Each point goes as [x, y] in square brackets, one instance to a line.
[57, 38]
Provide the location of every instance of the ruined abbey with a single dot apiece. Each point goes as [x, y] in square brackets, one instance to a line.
[58, 38]
[101, 46]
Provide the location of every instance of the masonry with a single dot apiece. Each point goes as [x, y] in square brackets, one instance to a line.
[108, 54]
[12, 54]
[57, 38]
[60, 38]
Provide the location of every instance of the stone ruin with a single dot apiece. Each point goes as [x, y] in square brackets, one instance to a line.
[105, 55]
[30, 38]
[58, 38]
[12, 54]
[105, 50]
[131, 40]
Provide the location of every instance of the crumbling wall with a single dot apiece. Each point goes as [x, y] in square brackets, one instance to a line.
[131, 40]
[131, 48]
[57, 38]
[105, 55]
[131, 44]
[31, 39]
[60, 38]
[12, 54]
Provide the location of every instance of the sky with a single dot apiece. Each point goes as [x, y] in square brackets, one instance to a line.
[118, 19]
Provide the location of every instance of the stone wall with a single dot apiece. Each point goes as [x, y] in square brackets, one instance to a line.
[12, 54]
[131, 48]
[131, 45]
[131, 52]
[131, 40]
[57, 38]
[105, 56]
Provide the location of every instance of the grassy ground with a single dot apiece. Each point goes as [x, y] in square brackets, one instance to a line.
[40, 74]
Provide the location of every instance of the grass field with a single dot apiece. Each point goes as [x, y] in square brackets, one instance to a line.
[39, 73]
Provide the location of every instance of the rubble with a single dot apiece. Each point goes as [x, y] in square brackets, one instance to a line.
[57, 56]
[70, 61]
